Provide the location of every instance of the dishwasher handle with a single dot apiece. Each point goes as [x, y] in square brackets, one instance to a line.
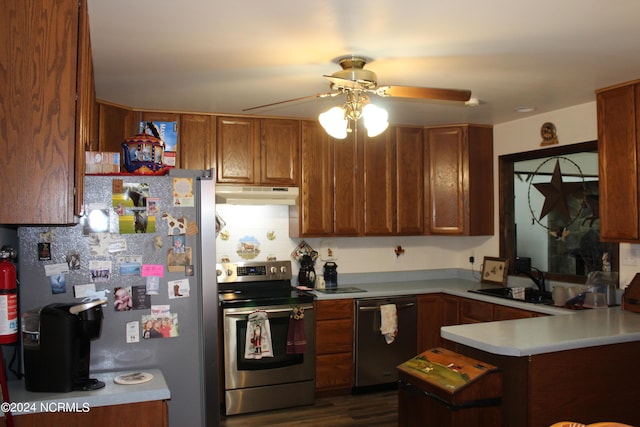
[377, 307]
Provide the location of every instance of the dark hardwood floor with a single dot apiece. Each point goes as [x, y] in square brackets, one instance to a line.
[370, 409]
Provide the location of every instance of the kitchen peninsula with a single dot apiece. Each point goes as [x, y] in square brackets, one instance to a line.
[562, 365]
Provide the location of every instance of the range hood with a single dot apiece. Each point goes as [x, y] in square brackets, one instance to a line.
[254, 195]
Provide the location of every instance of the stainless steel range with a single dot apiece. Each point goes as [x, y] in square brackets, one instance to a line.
[284, 375]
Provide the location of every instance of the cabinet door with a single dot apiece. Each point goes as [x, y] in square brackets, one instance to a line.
[86, 119]
[197, 141]
[503, 312]
[38, 124]
[445, 148]
[348, 203]
[237, 146]
[410, 181]
[429, 321]
[450, 316]
[472, 311]
[379, 185]
[618, 132]
[279, 149]
[313, 216]
[116, 125]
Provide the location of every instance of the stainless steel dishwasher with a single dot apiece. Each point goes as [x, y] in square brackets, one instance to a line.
[375, 360]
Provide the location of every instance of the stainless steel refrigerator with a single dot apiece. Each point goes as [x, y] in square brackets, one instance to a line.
[122, 248]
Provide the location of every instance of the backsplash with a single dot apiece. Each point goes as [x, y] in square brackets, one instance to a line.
[256, 233]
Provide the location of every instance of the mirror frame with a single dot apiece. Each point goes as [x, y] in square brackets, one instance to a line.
[506, 199]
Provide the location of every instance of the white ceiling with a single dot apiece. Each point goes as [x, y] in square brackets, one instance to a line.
[225, 56]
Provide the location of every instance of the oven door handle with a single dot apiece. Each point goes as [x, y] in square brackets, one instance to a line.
[268, 311]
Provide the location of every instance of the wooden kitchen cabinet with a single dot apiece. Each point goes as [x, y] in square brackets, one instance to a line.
[334, 345]
[618, 112]
[379, 185]
[460, 166]
[360, 186]
[473, 311]
[196, 149]
[503, 312]
[43, 130]
[438, 310]
[142, 414]
[258, 151]
[429, 321]
[411, 184]
[313, 215]
[348, 202]
[116, 125]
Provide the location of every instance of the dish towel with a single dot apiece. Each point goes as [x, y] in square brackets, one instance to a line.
[296, 338]
[258, 340]
[389, 322]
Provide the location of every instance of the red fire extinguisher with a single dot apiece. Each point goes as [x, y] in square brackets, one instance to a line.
[8, 297]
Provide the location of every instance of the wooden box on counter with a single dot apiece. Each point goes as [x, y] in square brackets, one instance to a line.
[442, 388]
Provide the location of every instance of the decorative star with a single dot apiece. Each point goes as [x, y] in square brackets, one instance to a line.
[556, 193]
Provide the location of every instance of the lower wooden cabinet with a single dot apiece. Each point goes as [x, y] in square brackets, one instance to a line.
[334, 345]
[438, 310]
[429, 321]
[141, 414]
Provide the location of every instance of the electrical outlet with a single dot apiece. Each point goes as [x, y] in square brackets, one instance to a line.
[472, 259]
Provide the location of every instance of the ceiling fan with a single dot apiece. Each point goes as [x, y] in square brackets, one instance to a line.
[356, 82]
[353, 77]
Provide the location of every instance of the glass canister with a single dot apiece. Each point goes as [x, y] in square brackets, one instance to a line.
[331, 274]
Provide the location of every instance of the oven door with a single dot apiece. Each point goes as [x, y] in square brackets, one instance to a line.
[282, 367]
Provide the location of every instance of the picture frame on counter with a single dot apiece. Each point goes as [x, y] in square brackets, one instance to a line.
[494, 271]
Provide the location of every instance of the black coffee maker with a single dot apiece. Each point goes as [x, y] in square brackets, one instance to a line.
[56, 346]
[307, 274]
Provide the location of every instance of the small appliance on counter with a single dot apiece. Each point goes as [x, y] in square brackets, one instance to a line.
[307, 273]
[330, 274]
[57, 343]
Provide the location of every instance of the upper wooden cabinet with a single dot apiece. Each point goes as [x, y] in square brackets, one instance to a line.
[116, 124]
[46, 64]
[313, 215]
[196, 149]
[618, 138]
[411, 183]
[460, 165]
[258, 151]
[379, 184]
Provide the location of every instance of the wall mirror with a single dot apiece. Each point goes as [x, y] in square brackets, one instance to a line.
[549, 213]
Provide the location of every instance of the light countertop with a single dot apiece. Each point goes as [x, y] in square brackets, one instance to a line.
[525, 337]
[562, 330]
[111, 394]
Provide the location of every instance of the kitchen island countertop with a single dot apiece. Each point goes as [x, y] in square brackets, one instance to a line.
[80, 401]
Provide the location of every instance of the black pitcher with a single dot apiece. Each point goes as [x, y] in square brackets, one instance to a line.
[331, 274]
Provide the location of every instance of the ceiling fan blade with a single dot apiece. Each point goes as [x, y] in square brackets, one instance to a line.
[319, 95]
[425, 92]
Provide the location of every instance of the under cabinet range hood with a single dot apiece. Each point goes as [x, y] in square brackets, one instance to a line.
[254, 195]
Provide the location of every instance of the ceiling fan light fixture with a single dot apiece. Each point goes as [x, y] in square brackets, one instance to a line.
[334, 122]
[375, 119]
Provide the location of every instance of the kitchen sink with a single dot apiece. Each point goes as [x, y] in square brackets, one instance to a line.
[531, 295]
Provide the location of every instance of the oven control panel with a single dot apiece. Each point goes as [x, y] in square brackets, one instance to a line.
[253, 271]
